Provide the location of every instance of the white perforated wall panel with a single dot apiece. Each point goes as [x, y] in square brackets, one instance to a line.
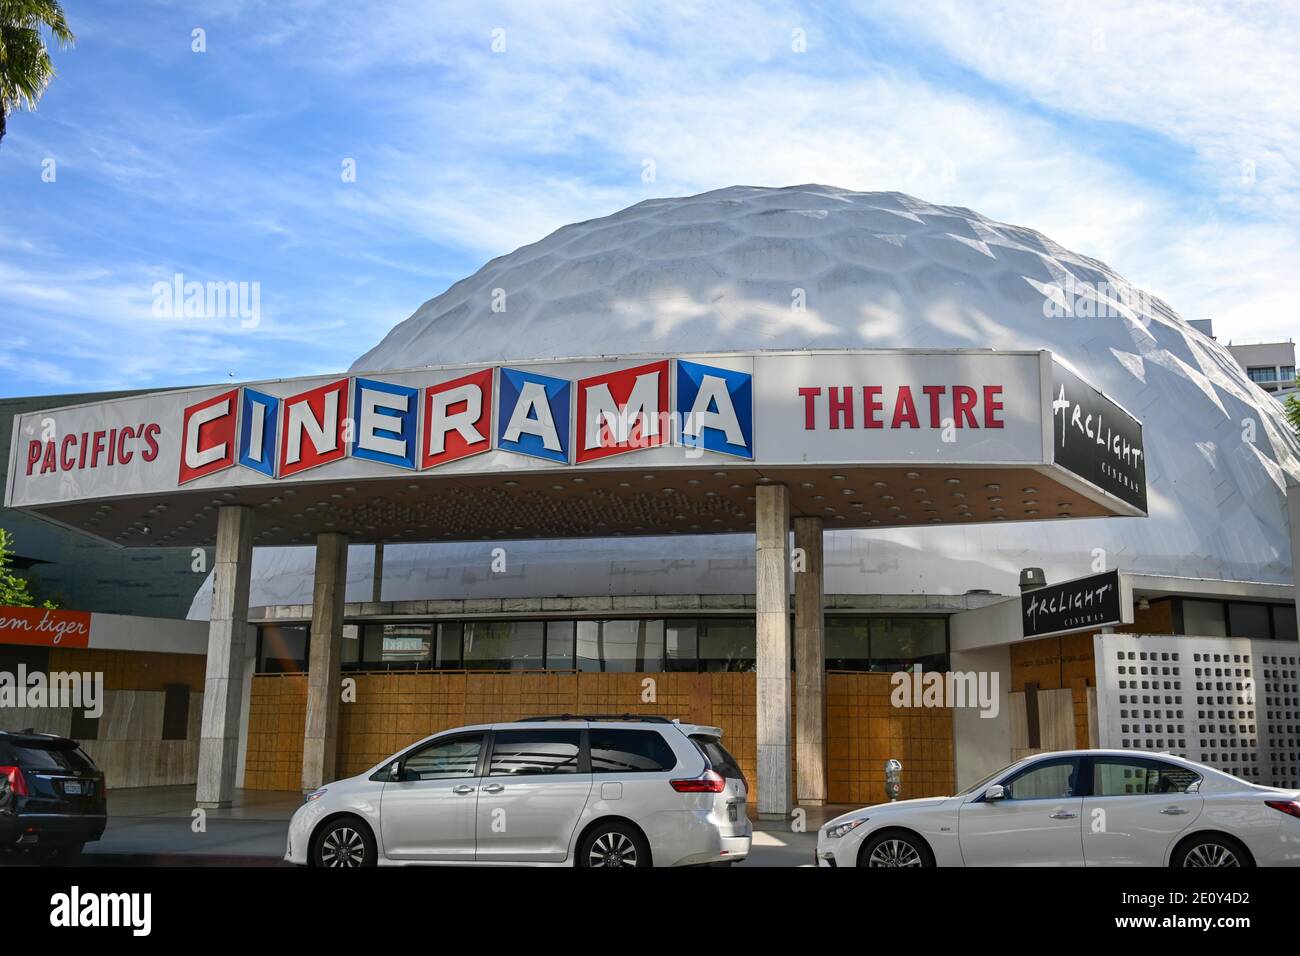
[1231, 703]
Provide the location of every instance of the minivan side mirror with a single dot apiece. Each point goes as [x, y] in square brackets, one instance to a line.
[996, 792]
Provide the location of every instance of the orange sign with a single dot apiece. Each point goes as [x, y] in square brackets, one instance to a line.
[44, 627]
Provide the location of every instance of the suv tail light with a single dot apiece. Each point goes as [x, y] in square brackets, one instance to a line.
[17, 782]
[709, 782]
[1286, 806]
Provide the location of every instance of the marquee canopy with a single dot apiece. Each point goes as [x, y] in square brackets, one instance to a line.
[635, 445]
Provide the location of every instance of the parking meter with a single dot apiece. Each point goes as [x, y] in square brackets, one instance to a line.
[893, 778]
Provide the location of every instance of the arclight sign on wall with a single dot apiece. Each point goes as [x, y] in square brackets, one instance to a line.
[767, 410]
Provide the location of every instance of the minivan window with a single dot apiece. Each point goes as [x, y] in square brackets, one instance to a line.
[530, 752]
[443, 759]
[630, 751]
[719, 756]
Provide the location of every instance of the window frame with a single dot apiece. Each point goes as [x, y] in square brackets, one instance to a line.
[1016, 773]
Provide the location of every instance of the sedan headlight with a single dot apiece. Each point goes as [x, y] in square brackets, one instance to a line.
[315, 795]
[838, 830]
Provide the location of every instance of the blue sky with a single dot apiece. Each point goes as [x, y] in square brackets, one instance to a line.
[1162, 138]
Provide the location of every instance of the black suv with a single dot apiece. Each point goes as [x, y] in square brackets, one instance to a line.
[52, 796]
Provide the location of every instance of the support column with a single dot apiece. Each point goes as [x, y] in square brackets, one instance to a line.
[320, 736]
[810, 665]
[223, 683]
[772, 610]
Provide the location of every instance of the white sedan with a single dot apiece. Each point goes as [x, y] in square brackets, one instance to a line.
[1078, 808]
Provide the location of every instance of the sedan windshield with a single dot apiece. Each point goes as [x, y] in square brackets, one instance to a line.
[985, 781]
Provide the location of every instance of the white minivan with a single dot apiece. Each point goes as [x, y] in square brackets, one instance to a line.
[597, 790]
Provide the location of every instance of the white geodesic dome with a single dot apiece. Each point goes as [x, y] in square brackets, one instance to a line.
[719, 271]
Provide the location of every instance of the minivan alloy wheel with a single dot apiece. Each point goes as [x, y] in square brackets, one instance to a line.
[343, 846]
[612, 849]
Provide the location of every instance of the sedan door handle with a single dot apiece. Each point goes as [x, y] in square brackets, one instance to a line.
[462, 789]
[1063, 815]
[493, 788]
[1174, 811]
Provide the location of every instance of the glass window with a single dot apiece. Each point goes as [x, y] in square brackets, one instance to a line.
[559, 645]
[284, 649]
[445, 758]
[530, 752]
[447, 650]
[1284, 625]
[1049, 780]
[1249, 620]
[399, 643]
[1124, 776]
[630, 751]
[847, 646]
[1204, 619]
[728, 644]
[1262, 373]
[351, 644]
[680, 645]
[632, 645]
[504, 645]
[906, 643]
[1288, 373]
[590, 649]
[719, 757]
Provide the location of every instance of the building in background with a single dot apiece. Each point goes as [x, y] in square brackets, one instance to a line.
[1269, 363]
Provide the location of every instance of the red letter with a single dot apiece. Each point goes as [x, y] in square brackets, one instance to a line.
[933, 392]
[150, 438]
[96, 446]
[33, 455]
[809, 407]
[841, 406]
[963, 401]
[872, 405]
[124, 456]
[47, 463]
[905, 410]
[991, 405]
[67, 463]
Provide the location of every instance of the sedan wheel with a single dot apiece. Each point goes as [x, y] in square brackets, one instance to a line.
[895, 848]
[345, 844]
[1210, 854]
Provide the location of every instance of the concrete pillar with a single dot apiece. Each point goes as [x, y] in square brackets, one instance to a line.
[772, 608]
[810, 665]
[227, 632]
[320, 736]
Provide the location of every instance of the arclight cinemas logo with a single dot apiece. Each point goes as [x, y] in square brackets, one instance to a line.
[921, 688]
[66, 689]
[76, 909]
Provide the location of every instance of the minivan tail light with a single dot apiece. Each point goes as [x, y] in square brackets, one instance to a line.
[17, 782]
[709, 782]
[1286, 806]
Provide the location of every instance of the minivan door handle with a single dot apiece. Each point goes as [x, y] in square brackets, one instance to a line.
[493, 788]
[462, 789]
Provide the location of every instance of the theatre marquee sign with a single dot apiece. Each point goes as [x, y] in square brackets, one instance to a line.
[768, 410]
